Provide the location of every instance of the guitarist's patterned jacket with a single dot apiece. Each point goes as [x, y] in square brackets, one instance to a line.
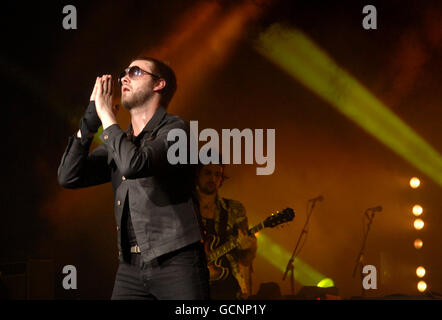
[240, 260]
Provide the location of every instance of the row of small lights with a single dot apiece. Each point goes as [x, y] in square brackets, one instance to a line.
[418, 243]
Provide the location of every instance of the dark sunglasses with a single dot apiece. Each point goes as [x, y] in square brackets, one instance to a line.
[134, 72]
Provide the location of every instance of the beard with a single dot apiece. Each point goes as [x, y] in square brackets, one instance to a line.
[208, 188]
[136, 98]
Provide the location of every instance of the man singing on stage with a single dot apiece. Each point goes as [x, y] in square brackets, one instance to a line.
[159, 236]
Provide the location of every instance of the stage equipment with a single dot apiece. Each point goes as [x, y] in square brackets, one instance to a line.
[290, 267]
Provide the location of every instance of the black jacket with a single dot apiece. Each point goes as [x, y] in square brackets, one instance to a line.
[160, 196]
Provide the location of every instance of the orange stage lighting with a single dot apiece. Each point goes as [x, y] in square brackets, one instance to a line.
[418, 224]
[415, 182]
[417, 210]
[418, 244]
[202, 40]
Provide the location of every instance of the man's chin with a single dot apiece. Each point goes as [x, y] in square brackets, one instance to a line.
[131, 100]
[126, 104]
[208, 191]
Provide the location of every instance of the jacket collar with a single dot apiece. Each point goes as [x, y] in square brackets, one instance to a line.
[152, 123]
[222, 202]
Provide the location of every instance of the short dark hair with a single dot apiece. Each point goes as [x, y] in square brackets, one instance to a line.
[220, 163]
[200, 167]
[165, 72]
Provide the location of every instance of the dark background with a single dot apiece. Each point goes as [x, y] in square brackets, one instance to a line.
[47, 75]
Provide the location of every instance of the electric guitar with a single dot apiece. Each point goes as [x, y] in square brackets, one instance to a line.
[215, 252]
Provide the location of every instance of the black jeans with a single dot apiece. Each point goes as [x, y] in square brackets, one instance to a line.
[227, 289]
[178, 275]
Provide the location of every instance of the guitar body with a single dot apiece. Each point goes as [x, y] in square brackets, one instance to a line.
[216, 270]
[214, 251]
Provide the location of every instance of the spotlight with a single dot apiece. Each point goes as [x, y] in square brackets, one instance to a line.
[415, 182]
[420, 272]
[418, 243]
[418, 224]
[417, 210]
[421, 286]
[326, 283]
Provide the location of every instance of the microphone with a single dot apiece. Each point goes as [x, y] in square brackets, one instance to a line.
[375, 209]
[318, 198]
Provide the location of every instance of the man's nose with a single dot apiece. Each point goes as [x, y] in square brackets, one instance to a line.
[125, 79]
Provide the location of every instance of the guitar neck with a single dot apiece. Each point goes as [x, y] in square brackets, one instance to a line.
[256, 228]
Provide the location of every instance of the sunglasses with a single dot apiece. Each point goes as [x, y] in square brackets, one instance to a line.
[134, 72]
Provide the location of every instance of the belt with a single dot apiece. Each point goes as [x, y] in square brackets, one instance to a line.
[135, 249]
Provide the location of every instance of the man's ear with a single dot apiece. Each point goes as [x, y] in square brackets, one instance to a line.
[160, 85]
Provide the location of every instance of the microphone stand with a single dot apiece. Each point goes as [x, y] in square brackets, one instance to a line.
[360, 258]
[290, 267]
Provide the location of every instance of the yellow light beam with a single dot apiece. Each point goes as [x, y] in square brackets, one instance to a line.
[279, 257]
[295, 53]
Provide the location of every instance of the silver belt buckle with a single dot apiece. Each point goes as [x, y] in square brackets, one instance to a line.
[135, 249]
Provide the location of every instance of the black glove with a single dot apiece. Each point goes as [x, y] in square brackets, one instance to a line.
[90, 122]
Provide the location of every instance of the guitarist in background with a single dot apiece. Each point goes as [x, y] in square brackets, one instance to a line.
[225, 220]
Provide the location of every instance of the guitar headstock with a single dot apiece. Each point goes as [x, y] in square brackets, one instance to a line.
[285, 215]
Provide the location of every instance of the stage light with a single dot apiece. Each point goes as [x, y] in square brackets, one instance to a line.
[326, 283]
[278, 257]
[415, 182]
[421, 286]
[418, 224]
[417, 210]
[420, 272]
[203, 38]
[295, 53]
[418, 243]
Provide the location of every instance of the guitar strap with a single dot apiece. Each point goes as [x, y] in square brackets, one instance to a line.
[222, 226]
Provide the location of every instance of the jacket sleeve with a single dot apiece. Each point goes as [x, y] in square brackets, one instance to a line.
[79, 168]
[133, 161]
